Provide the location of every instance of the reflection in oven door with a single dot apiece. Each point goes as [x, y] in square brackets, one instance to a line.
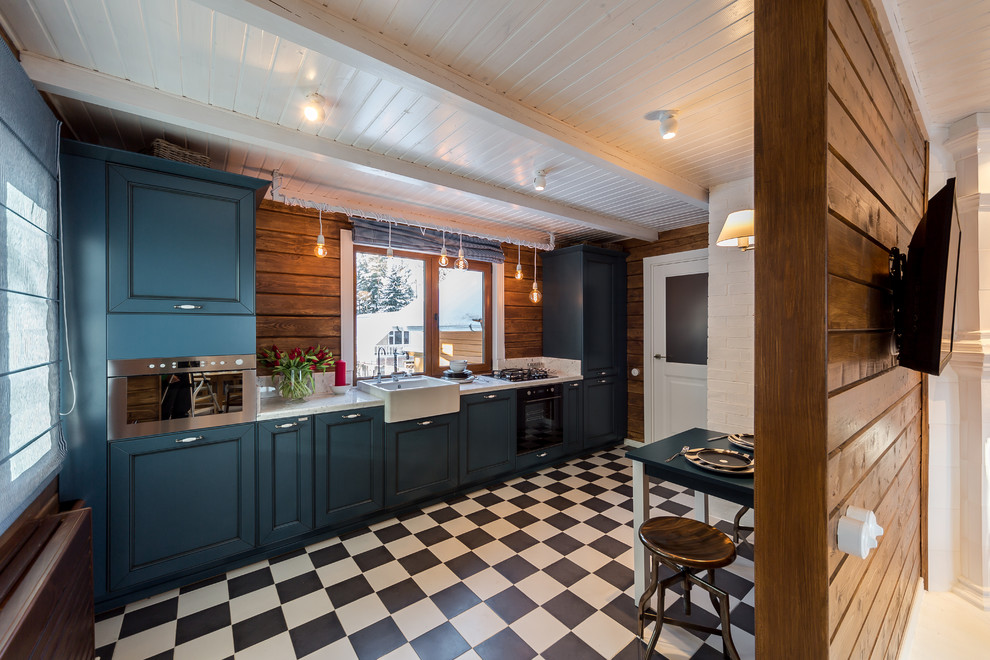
[177, 396]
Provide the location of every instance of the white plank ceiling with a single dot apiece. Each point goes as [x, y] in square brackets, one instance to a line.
[444, 109]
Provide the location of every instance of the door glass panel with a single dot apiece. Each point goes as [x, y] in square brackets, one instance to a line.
[390, 311]
[462, 316]
[687, 318]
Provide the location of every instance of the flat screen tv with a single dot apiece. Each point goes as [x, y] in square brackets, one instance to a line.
[926, 301]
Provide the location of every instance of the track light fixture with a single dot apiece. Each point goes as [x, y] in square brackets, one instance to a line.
[321, 247]
[314, 110]
[519, 273]
[540, 180]
[668, 124]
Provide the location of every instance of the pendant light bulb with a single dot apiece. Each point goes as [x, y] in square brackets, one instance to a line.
[519, 273]
[444, 259]
[535, 296]
[540, 180]
[314, 108]
[461, 262]
[321, 247]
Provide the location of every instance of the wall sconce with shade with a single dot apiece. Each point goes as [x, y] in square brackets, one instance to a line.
[738, 231]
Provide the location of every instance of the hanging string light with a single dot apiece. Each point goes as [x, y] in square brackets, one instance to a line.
[535, 296]
[461, 262]
[321, 248]
[519, 273]
[444, 260]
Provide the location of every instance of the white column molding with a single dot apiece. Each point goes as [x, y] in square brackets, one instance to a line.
[969, 142]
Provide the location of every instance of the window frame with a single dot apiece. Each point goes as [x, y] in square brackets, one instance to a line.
[431, 313]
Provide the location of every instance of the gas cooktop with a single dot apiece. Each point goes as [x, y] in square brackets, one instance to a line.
[516, 375]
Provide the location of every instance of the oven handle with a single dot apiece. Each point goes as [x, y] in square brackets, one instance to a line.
[556, 397]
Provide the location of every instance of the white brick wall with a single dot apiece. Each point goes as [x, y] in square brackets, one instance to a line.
[730, 316]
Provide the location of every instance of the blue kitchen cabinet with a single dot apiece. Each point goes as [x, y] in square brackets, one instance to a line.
[350, 465]
[285, 478]
[487, 435]
[180, 244]
[420, 458]
[179, 502]
[603, 411]
[573, 417]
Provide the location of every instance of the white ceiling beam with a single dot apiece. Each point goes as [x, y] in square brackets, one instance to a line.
[91, 86]
[316, 29]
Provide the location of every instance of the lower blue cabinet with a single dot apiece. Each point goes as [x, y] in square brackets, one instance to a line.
[285, 478]
[487, 435]
[180, 501]
[602, 413]
[349, 464]
[421, 458]
[573, 417]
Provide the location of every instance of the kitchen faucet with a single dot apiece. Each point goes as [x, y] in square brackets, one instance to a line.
[379, 352]
[395, 363]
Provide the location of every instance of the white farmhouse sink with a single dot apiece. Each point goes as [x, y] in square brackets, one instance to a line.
[415, 397]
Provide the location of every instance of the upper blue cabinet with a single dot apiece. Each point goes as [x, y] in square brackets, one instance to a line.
[180, 238]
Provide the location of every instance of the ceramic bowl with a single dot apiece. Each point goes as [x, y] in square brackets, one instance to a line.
[340, 389]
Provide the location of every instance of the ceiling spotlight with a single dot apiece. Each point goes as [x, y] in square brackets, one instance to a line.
[314, 108]
[540, 181]
[668, 124]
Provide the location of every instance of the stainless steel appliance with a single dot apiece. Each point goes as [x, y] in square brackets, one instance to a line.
[164, 395]
[539, 423]
[518, 374]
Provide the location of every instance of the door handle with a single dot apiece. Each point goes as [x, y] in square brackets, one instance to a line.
[657, 356]
[285, 426]
[189, 439]
[187, 306]
[351, 416]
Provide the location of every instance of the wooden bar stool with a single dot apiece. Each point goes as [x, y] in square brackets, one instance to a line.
[687, 547]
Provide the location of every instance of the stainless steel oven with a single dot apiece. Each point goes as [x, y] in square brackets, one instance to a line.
[164, 395]
[539, 418]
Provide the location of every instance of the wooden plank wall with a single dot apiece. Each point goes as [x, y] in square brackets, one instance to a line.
[876, 196]
[834, 192]
[523, 318]
[298, 294]
[675, 240]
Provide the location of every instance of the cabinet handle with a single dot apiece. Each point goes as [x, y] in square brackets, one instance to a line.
[187, 306]
[425, 422]
[603, 373]
[289, 425]
[603, 380]
[193, 438]
[490, 396]
[542, 455]
[575, 384]
[351, 416]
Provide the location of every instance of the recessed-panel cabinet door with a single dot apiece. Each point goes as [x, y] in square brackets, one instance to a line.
[285, 478]
[350, 465]
[487, 435]
[178, 244]
[601, 423]
[180, 501]
[421, 458]
[573, 417]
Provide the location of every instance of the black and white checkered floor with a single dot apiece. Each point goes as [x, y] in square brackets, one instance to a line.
[537, 567]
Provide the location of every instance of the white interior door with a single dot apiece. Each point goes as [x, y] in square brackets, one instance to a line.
[676, 350]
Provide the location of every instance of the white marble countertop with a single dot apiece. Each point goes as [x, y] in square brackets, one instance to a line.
[278, 408]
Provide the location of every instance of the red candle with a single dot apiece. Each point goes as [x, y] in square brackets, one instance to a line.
[340, 373]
